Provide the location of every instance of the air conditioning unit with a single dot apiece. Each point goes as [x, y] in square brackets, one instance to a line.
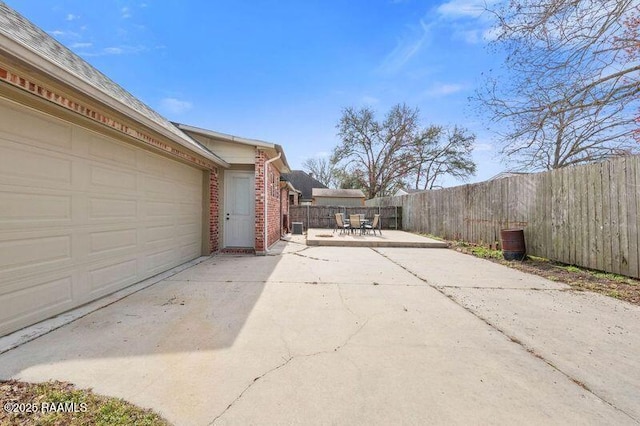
[297, 228]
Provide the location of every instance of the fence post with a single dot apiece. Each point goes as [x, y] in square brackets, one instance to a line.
[307, 217]
[396, 217]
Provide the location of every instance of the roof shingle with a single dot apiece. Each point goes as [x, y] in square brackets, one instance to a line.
[20, 30]
[303, 182]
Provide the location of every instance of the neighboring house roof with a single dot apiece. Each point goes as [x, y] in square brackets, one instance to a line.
[303, 182]
[23, 40]
[236, 139]
[286, 184]
[503, 175]
[337, 193]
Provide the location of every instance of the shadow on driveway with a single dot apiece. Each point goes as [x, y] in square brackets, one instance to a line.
[341, 335]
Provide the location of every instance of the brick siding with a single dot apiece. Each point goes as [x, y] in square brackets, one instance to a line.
[273, 207]
[284, 206]
[214, 210]
[272, 183]
[261, 157]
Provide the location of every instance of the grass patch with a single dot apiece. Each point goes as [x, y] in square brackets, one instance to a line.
[60, 403]
[579, 279]
[609, 276]
[615, 294]
[477, 250]
[486, 253]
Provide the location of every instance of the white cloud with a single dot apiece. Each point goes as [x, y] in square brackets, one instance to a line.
[463, 8]
[482, 147]
[72, 17]
[125, 12]
[113, 51]
[445, 89]
[175, 106]
[64, 34]
[406, 49]
[370, 100]
[468, 19]
[81, 45]
[470, 36]
[491, 34]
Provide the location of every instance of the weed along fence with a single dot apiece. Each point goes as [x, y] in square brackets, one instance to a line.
[324, 216]
[584, 215]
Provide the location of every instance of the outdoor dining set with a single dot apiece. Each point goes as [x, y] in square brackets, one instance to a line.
[357, 223]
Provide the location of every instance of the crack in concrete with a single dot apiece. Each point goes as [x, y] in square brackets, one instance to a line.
[297, 253]
[293, 242]
[284, 364]
[344, 303]
[513, 339]
[459, 287]
[246, 389]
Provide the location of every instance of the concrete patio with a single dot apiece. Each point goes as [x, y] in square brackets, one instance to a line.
[344, 335]
[385, 238]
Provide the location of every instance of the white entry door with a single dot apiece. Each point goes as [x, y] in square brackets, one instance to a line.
[239, 206]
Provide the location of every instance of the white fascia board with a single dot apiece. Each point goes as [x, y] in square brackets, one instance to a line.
[225, 137]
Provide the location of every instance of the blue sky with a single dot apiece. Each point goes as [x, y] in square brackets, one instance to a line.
[282, 70]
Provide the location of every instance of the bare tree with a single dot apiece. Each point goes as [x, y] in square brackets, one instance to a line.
[323, 170]
[570, 89]
[380, 157]
[375, 153]
[629, 42]
[441, 151]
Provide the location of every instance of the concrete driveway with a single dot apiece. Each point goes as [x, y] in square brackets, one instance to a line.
[328, 335]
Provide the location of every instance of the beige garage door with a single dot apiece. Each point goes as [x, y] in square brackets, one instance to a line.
[83, 215]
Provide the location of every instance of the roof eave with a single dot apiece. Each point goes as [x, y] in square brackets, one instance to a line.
[53, 70]
[237, 139]
[224, 136]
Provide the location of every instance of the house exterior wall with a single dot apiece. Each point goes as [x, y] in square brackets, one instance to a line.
[294, 198]
[284, 208]
[24, 80]
[260, 181]
[270, 196]
[85, 214]
[233, 153]
[274, 217]
[214, 211]
[109, 200]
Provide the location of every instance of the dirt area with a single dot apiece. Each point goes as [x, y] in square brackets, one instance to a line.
[580, 279]
[60, 403]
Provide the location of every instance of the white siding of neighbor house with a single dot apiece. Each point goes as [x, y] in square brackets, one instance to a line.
[336, 201]
[83, 215]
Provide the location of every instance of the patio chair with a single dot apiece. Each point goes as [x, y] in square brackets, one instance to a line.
[355, 223]
[340, 223]
[373, 225]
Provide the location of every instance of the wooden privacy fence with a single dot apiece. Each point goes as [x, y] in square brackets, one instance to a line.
[584, 215]
[324, 216]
